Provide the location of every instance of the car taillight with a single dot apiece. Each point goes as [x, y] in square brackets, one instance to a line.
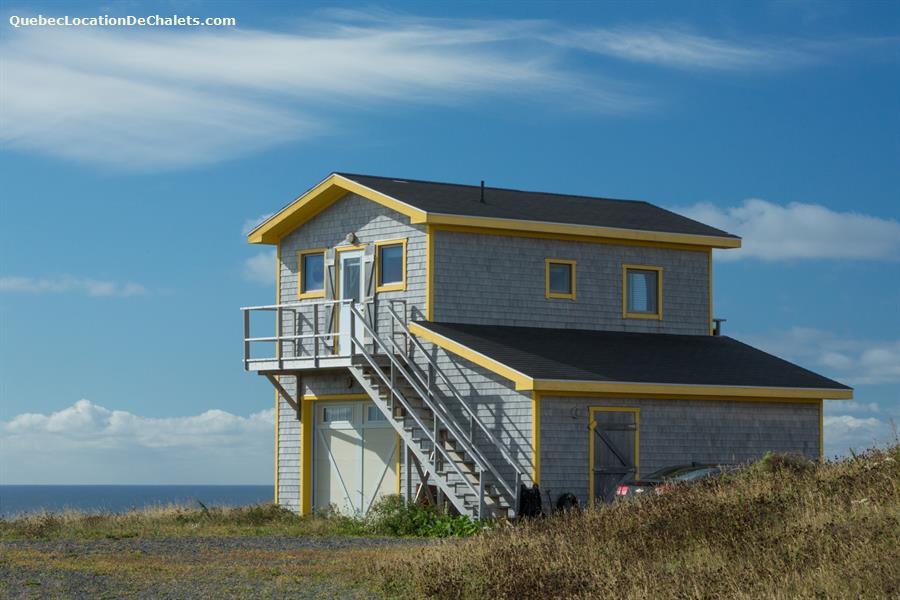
[622, 490]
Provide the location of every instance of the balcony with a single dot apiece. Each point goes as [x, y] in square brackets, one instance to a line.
[300, 336]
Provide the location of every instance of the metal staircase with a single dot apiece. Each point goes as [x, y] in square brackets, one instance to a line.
[402, 379]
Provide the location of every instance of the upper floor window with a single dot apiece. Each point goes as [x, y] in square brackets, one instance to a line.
[311, 275]
[559, 278]
[390, 265]
[642, 292]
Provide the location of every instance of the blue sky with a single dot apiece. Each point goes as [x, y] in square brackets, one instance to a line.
[133, 159]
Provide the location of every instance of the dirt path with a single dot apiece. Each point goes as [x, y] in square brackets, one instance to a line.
[193, 567]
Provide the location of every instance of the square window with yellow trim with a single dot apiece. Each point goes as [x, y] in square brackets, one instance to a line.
[311, 275]
[559, 275]
[390, 265]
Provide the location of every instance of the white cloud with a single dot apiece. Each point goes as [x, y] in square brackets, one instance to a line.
[800, 231]
[70, 284]
[260, 268]
[846, 432]
[852, 361]
[676, 48]
[251, 224]
[88, 443]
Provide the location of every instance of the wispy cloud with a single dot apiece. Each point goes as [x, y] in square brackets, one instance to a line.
[70, 284]
[852, 361]
[260, 268]
[163, 99]
[89, 443]
[800, 231]
[251, 224]
[677, 48]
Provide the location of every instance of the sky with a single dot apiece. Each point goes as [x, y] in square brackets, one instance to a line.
[134, 160]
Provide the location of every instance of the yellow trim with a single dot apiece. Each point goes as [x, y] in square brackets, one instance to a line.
[635, 396]
[334, 397]
[277, 334]
[710, 273]
[521, 380]
[658, 315]
[535, 438]
[398, 286]
[572, 267]
[301, 293]
[592, 424]
[589, 231]
[821, 431]
[317, 199]
[566, 238]
[671, 389]
[429, 273]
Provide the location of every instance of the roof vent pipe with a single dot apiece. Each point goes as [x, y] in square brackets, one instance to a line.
[482, 191]
[717, 329]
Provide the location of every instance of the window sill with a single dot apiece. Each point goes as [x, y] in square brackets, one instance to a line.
[311, 295]
[391, 287]
[558, 296]
[653, 316]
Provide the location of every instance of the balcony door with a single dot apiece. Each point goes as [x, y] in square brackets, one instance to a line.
[352, 287]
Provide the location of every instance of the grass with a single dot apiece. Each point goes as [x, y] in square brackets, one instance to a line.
[783, 528]
[389, 517]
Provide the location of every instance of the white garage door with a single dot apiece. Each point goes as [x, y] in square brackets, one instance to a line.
[355, 456]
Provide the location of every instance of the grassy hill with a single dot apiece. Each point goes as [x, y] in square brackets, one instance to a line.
[781, 529]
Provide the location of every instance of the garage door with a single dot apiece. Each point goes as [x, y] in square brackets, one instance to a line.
[355, 456]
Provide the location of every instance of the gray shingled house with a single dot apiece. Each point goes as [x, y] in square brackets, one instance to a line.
[485, 340]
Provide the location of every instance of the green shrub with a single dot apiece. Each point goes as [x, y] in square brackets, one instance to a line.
[391, 515]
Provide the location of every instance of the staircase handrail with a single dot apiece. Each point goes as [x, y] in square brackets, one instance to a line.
[514, 492]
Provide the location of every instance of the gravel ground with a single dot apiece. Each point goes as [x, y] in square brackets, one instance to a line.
[190, 567]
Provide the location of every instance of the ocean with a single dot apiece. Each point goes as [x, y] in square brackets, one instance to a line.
[16, 499]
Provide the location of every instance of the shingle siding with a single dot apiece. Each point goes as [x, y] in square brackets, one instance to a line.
[505, 412]
[370, 222]
[288, 450]
[499, 280]
[673, 432]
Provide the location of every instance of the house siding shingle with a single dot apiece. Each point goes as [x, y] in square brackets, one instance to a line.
[499, 280]
[673, 432]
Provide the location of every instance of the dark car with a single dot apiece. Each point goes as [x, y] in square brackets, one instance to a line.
[661, 481]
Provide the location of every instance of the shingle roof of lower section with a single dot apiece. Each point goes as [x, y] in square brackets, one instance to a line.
[611, 356]
[501, 203]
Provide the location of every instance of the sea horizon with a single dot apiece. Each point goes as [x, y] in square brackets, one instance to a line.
[19, 499]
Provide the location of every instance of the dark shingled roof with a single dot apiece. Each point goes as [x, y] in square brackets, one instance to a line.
[614, 356]
[501, 203]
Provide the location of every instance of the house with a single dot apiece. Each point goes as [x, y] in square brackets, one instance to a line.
[486, 341]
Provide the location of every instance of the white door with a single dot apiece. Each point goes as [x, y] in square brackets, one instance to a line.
[350, 270]
[355, 456]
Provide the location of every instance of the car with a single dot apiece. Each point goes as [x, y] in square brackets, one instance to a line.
[664, 479]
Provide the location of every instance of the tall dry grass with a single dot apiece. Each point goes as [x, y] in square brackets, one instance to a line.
[780, 529]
